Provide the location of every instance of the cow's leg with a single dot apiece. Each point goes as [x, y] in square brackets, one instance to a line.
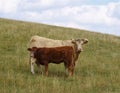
[32, 64]
[70, 70]
[66, 70]
[39, 68]
[46, 69]
[73, 65]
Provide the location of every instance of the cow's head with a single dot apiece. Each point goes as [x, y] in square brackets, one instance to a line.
[78, 43]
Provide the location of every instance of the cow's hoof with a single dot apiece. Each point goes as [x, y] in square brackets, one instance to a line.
[33, 73]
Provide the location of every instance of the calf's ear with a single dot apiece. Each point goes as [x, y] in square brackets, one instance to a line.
[29, 49]
[32, 49]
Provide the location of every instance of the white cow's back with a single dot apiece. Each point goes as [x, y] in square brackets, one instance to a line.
[37, 41]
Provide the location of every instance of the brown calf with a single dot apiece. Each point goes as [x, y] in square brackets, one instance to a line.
[44, 56]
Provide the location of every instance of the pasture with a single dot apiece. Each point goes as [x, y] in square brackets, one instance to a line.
[98, 69]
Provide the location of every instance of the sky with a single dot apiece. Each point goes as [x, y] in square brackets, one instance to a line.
[94, 15]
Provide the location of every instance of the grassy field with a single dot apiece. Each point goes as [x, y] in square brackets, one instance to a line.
[98, 69]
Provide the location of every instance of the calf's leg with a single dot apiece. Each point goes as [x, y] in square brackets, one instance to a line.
[66, 69]
[32, 65]
[70, 70]
[46, 69]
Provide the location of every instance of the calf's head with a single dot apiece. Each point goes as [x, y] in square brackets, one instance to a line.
[32, 51]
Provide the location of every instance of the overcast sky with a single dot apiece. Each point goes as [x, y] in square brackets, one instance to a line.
[96, 15]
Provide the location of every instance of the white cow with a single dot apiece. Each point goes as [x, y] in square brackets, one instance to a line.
[37, 41]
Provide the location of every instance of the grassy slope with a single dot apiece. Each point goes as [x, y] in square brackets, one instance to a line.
[98, 69]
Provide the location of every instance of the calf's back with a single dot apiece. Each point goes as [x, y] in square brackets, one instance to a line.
[54, 55]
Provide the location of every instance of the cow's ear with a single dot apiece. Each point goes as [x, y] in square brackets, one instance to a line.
[85, 41]
[29, 49]
[73, 41]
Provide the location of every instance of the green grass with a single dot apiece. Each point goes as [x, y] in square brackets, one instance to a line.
[98, 69]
